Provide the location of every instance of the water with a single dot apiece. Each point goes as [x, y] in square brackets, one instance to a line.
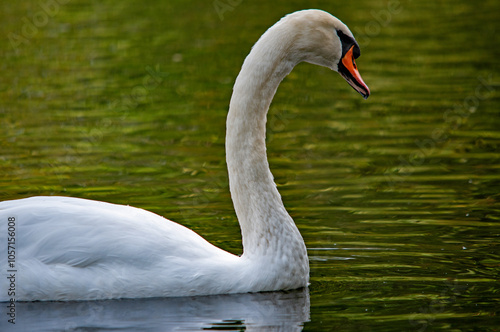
[396, 196]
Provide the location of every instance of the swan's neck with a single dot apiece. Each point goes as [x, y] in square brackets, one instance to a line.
[266, 227]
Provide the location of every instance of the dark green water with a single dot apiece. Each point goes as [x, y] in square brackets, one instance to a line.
[397, 197]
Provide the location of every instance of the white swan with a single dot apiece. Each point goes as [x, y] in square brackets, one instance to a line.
[78, 249]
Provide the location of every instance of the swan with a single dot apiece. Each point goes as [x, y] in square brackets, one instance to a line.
[78, 249]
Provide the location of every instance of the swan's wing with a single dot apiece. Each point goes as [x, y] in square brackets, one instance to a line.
[77, 249]
[79, 233]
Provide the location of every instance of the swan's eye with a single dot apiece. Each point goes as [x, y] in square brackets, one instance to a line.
[356, 51]
[348, 42]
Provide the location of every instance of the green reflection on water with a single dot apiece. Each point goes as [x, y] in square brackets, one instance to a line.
[396, 196]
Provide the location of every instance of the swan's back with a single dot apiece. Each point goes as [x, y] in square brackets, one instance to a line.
[92, 247]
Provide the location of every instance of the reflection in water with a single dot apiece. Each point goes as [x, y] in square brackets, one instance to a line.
[273, 311]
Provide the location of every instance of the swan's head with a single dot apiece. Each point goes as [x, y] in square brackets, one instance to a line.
[322, 39]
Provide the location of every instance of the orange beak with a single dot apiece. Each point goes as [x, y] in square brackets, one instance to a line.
[349, 71]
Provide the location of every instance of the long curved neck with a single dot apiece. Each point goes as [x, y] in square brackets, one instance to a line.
[264, 222]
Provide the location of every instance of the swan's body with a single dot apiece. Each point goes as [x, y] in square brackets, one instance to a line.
[77, 249]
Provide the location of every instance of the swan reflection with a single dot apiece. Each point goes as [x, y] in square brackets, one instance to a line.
[273, 311]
